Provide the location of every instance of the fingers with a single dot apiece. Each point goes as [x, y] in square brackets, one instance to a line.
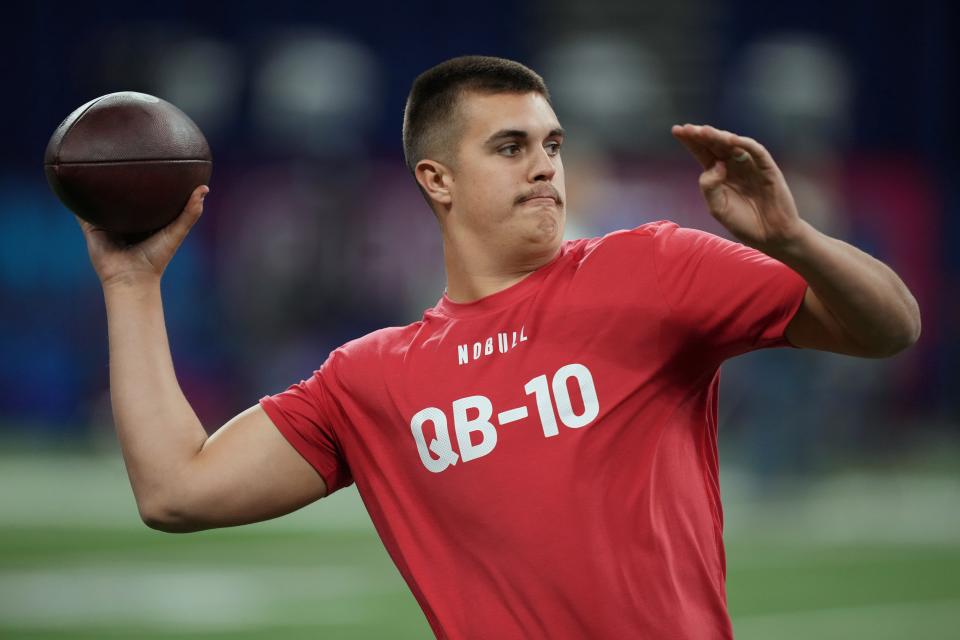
[97, 239]
[190, 214]
[180, 225]
[757, 152]
[87, 227]
[742, 152]
[713, 188]
[741, 161]
[703, 155]
[703, 141]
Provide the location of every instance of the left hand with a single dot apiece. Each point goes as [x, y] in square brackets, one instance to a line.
[743, 187]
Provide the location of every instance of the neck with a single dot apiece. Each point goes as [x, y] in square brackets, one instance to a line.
[476, 270]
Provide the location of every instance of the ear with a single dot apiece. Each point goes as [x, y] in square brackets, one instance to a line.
[436, 180]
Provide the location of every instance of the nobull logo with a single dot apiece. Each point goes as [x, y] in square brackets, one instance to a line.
[505, 341]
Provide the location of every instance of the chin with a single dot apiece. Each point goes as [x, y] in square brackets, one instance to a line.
[547, 229]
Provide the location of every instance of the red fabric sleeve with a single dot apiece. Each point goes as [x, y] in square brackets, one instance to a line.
[730, 298]
[303, 414]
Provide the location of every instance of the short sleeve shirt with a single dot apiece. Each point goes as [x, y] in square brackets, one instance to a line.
[542, 462]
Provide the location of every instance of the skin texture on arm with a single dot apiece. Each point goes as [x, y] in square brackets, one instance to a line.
[182, 480]
[855, 304]
[245, 472]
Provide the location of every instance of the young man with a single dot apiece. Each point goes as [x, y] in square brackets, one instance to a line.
[538, 452]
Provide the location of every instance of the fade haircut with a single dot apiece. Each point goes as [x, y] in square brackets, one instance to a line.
[430, 124]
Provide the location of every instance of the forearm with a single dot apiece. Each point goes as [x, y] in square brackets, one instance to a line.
[866, 297]
[158, 430]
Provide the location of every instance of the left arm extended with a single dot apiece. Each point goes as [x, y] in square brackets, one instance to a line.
[854, 303]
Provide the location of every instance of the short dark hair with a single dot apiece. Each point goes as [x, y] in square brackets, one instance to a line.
[428, 118]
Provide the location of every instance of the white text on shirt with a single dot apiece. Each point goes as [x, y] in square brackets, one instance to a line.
[483, 348]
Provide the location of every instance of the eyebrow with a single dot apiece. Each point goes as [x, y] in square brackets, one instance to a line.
[505, 134]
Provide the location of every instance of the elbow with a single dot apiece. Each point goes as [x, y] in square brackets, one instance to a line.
[912, 327]
[906, 337]
[915, 330]
[165, 516]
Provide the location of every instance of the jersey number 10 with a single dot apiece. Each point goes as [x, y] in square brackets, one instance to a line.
[440, 454]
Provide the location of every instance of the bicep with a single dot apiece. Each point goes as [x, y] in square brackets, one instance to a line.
[246, 472]
[814, 327]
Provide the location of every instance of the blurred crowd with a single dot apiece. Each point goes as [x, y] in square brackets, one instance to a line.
[314, 232]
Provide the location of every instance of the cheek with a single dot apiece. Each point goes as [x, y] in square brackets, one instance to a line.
[496, 187]
[489, 187]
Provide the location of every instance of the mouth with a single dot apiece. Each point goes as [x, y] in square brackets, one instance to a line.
[540, 195]
[540, 200]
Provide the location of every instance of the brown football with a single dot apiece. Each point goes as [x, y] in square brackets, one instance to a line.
[127, 162]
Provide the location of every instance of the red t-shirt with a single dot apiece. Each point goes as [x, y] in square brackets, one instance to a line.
[542, 463]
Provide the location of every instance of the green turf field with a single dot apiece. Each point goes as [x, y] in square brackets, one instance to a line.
[852, 560]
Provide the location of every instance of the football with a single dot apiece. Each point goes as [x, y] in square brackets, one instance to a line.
[127, 162]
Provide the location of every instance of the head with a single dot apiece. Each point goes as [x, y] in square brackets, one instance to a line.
[482, 141]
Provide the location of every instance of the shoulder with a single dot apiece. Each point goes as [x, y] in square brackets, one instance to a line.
[662, 247]
[641, 233]
[378, 344]
[619, 241]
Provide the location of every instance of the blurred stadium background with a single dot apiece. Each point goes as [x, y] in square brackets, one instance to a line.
[841, 477]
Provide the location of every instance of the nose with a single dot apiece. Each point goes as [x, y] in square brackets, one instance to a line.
[542, 166]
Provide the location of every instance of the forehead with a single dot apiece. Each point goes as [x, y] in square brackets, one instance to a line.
[484, 114]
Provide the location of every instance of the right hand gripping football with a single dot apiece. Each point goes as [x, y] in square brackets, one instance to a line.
[117, 262]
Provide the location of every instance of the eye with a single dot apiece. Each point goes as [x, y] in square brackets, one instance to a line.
[553, 148]
[509, 149]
